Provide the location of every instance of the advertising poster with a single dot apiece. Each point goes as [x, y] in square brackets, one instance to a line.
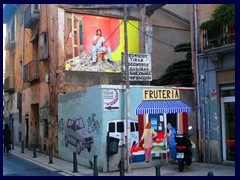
[94, 43]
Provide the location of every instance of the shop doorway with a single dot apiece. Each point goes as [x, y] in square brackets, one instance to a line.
[228, 127]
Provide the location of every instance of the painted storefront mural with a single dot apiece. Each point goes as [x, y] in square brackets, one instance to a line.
[94, 43]
[98, 113]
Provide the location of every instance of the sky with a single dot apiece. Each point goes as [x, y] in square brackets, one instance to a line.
[4, 34]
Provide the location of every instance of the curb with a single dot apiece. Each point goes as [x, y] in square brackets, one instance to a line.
[43, 164]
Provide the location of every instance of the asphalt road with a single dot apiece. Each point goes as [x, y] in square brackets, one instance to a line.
[16, 166]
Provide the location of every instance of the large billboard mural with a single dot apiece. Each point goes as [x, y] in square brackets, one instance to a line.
[94, 43]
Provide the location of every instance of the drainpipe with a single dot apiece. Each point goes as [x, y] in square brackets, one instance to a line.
[197, 79]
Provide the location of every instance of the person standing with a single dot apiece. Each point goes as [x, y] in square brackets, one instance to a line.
[172, 143]
[100, 46]
[6, 138]
[148, 135]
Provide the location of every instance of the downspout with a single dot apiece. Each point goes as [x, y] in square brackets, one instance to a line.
[197, 79]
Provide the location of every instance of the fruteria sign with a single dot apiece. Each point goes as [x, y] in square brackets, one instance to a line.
[140, 67]
[161, 94]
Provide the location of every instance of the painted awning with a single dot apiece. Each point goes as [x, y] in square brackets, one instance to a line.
[161, 107]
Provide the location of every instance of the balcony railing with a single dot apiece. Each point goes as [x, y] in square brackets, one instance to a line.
[218, 37]
[31, 71]
[31, 17]
[10, 40]
[9, 85]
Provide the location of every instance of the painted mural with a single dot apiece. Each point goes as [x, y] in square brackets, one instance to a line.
[96, 43]
[78, 135]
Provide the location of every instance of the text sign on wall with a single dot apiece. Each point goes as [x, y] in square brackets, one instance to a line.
[161, 94]
[140, 67]
[111, 99]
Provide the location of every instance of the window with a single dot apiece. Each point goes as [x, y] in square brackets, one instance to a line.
[136, 126]
[111, 127]
[45, 128]
[79, 124]
[21, 17]
[120, 127]
[70, 122]
[132, 127]
[20, 115]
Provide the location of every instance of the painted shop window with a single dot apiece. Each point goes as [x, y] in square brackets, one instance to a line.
[111, 127]
[120, 127]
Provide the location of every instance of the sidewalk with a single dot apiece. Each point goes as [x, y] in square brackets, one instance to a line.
[66, 168]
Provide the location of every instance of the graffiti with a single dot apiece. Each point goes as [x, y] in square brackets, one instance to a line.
[93, 125]
[44, 111]
[33, 136]
[61, 126]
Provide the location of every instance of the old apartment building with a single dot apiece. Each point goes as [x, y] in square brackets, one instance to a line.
[48, 52]
[214, 56]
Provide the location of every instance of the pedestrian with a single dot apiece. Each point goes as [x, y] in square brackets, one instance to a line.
[171, 141]
[148, 135]
[6, 138]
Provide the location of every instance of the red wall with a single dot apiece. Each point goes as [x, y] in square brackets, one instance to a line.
[107, 26]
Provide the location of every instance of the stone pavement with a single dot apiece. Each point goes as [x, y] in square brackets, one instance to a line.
[66, 168]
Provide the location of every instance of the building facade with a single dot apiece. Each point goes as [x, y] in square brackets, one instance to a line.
[49, 52]
[214, 57]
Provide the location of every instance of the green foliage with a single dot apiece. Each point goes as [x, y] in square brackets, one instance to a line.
[224, 14]
[208, 25]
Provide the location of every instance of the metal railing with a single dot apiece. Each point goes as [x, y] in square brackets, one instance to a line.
[10, 40]
[218, 37]
[31, 71]
[9, 85]
[31, 17]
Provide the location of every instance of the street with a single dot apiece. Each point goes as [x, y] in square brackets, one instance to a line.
[16, 166]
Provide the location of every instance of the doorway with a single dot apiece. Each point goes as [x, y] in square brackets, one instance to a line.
[228, 127]
[26, 131]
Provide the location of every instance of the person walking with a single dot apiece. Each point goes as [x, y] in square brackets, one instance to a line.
[171, 142]
[6, 138]
[148, 135]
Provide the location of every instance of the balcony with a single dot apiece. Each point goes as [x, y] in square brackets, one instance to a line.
[218, 37]
[31, 16]
[31, 71]
[10, 40]
[9, 85]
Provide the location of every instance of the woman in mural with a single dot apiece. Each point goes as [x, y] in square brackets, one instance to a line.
[100, 46]
[171, 141]
[148, 135]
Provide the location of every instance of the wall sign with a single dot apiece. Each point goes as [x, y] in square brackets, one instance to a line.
[111, 100]
[140, 67]
[161, 94]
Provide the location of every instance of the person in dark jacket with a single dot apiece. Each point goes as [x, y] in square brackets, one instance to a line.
[6, 138]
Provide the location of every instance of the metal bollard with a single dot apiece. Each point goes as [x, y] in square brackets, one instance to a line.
[95, 168]
[50, 156]
[122, 167]
[210, 173]
[22, 147]
[158, 173]
[75, 166]
[34, 151]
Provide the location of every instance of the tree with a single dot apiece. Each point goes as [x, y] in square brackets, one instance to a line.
[179, 73]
